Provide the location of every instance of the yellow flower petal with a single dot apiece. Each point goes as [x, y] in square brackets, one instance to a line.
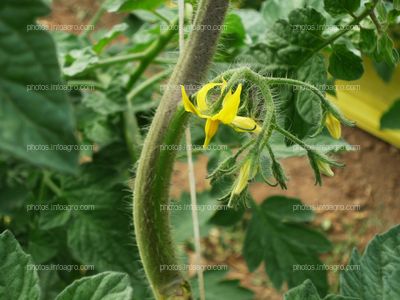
[210, 129]
[202, 96]
[187, 104]
[245, 124]
[333, 125]
[325, 168]
[230, 106]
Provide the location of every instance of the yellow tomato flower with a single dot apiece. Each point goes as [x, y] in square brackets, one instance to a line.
[227, 115]
[333, 125]
[325, 168]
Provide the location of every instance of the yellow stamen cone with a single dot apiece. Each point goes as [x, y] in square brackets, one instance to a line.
[245, 124]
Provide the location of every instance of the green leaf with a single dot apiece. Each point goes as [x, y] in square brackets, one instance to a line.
[308, 105]
[291, 41]
[66, 42]
[100, 232]
[288, 40]
[95, 236]
[273, 10]
[252, 21]
[381, 11]
[309, 24]
[289, 209]
[129, 5]
[234, 27]
[97, 119]
[102, 104]
[103, 286]
[227, 217]
[368, 40]
[278, 236]
[378, 272]
[232, 37]
[34, 107]
[393, 16]
[13, 198]
[144, 37]
[386, 50]
[344, 64]
[15, 191]
[307, 291]
[79, 61]
[218, 288]
[53, 219]
[391, 118]
[285, 43]
[18, 279]
[338, 7]
[50, 283]
[112, 34]
[43, 245]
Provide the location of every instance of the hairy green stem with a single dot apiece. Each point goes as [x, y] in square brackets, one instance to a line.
[152, 225]
[262, 84]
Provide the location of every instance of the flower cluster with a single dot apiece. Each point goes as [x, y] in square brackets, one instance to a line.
[225, 110]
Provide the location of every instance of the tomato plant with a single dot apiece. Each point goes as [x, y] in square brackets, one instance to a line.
[93, 123]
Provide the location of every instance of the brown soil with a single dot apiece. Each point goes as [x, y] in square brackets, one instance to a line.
[78, 12]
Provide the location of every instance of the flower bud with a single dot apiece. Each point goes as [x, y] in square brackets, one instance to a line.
[245, 175]
[333, 125]
[325, 168]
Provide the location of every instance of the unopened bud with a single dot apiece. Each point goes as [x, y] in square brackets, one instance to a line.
[333, 125]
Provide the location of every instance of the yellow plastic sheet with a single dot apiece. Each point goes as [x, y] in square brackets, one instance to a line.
[365, 100]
